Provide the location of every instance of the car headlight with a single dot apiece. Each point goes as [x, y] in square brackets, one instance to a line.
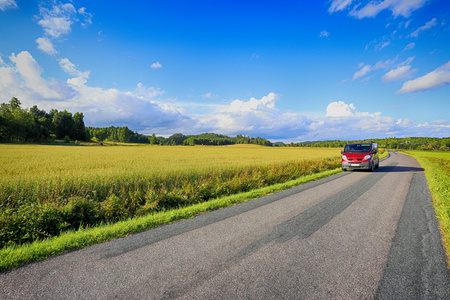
[367, 157]
[344, 157]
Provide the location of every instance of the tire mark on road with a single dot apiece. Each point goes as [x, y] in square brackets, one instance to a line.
[416, 266]
[311, 220]
[134, 242]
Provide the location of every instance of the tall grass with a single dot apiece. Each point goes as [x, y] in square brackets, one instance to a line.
[15, 255]
[437, 172]
[46, 190]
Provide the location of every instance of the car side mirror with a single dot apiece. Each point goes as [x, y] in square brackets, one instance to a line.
[374, 151]
[342, 151]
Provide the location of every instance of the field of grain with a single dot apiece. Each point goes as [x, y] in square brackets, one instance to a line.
[45, 190]
[50, 162]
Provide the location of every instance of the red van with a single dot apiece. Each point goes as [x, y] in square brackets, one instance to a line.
[360, 156]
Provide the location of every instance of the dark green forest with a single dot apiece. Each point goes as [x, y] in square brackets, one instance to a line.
[124, 135]
[33, 125]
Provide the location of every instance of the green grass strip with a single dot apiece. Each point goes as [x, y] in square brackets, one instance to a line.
[15, 256]
[438, 178]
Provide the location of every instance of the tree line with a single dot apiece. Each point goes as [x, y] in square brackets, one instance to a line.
[408, 143]
[212, 139]
[34, 125]
[18, 124]
[125, 135]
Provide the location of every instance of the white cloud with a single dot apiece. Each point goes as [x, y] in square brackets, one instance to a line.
[101, 107]
[361, 10]
[324, 34]
[87, 17]
[363, 71]
[343, 121]
[8, 4]
[340, 109]
[425, 27]
[210, 96]
[382, 45]
[266, 103]
[30, 73]
[337, 5]
[409, 46]
[256, 117]
[143, 109]
[400, 73]
[148, 92]
[71, 69]
[156, 65]
[366, 69]
[46, 46]
[432, 80]
[68, 67]
[58, 20]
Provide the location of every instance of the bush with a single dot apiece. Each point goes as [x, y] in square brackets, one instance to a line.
[114, 208]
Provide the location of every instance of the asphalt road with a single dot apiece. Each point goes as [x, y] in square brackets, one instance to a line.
[354, 235]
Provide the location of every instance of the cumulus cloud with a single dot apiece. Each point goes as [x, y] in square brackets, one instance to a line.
[257, 117]
[101, 107]
[156, 65]
[30, 73]
[359, 10]
[340, 109]
[144, 110]
[432, 80]
[435, 128]
[344, 121]
[425, 27]
[68, 67]
[8, 4]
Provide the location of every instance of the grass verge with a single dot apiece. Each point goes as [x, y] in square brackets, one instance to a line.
[436, 166]
[15, 256]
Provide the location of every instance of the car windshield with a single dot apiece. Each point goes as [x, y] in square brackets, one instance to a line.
[357, 148]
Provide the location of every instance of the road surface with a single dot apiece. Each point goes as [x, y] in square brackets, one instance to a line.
[353, 235]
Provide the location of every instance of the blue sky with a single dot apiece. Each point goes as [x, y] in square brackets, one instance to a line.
[283, 70]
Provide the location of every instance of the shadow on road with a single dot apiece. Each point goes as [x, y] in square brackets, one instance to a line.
[398, 169]
[390, 169]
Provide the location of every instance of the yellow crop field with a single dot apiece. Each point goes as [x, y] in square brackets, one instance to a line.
[45, 190]
[19, 162]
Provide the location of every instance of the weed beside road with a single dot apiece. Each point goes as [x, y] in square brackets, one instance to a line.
[437, 171]
[47, 191]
